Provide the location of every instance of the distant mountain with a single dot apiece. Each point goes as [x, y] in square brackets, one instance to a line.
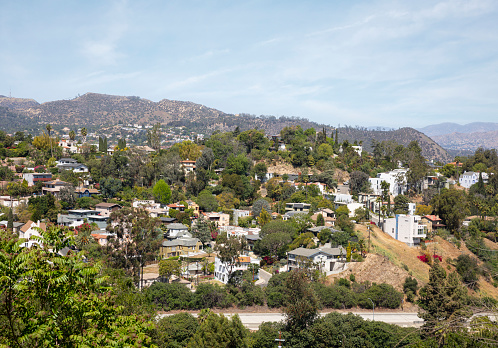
[94, 111]
[468, 142]
[449, 128]
[430, 149]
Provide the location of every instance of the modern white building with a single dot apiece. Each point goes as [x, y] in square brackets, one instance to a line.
[468, 179]
[406, 228]
[326, 260]
[222, 270]
[396, 180]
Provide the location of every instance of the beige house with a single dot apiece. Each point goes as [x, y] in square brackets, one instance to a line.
[184, 246]
[221, 219]
[106, 209]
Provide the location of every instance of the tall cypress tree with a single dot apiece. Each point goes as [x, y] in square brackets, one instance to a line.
[10, 220]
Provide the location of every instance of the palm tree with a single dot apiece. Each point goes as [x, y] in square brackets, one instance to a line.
[49, 130]
[72, 135]
[84, 133]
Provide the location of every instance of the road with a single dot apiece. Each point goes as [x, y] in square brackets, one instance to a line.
[253, 320]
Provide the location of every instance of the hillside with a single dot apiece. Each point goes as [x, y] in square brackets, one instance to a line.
[468, 142]
[391, 256]
[430, 149]
[94, 110]
[449, 128]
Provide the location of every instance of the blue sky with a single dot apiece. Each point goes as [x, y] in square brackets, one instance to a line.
[368, 63]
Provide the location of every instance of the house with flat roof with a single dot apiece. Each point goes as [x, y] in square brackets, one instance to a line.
[106, 209]
[33, 178]
[327, 260]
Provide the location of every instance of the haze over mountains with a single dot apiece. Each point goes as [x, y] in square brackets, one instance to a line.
[463, 139]
[94, 110]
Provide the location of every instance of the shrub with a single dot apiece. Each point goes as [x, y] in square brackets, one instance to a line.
[410, 285]
[468, 269]
[170, 296]
[211, 296]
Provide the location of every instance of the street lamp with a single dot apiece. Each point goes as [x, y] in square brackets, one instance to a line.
[373, 309]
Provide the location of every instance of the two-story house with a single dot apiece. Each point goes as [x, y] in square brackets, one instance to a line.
[31, 229]
[33, 178]
[468, 179]
[223, 270]
[406, 228]
[106, 209]
[183, 246]
[324, 259]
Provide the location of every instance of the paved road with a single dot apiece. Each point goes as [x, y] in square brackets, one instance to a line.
[253, 320]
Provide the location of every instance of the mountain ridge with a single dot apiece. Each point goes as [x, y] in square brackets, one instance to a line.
[97, 110]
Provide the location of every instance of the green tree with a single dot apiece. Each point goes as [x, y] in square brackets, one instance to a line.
[110, 187]
[161, 192]
[72, 135]
[77, 311]
[401, 204]
[229, 249]
[202, 231]
[264, 217]
[169, 267]
[136, 240]
[358, 181]
[451, 206]
[259, 205]
[274, 244]
[276, 226]
[84, 133]
[260, 170]
[154, 137]
[176, 330]
[302, 303]
[207, 201]
[218, 331]
[49, 130]
[324, 235]
[468, 269]
[10, 220]
[443, 303]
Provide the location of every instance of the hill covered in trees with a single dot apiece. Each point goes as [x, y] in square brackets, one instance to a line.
[403, 136]
[95, 110]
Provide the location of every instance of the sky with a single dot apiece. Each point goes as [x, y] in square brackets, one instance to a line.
[366, 63]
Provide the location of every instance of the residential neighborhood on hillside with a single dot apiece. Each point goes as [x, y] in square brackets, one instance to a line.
[237, 213]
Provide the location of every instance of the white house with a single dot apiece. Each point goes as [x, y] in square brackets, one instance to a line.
[326, 260]
[406, 228]
[222, 270]
[468, 179]
[30, 229]
[396, 180]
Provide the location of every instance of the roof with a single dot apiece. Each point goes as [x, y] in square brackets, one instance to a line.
[252, 237]
[432, 217]
[107, 205]
[177, 226]
[244, 259]
[167, 219]
[83, 189]
[184, 241]
[30, 223]
[310, 252]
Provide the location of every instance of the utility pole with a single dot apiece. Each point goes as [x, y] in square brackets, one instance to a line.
[279, 339]
[368, 226]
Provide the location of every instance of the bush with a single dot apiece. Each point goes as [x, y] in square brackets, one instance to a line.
[383, 295]
[169, 296]
[468, 269]
[275, 290]
[343, 282]
[410, 285]
[211, 296]
[335, 296]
